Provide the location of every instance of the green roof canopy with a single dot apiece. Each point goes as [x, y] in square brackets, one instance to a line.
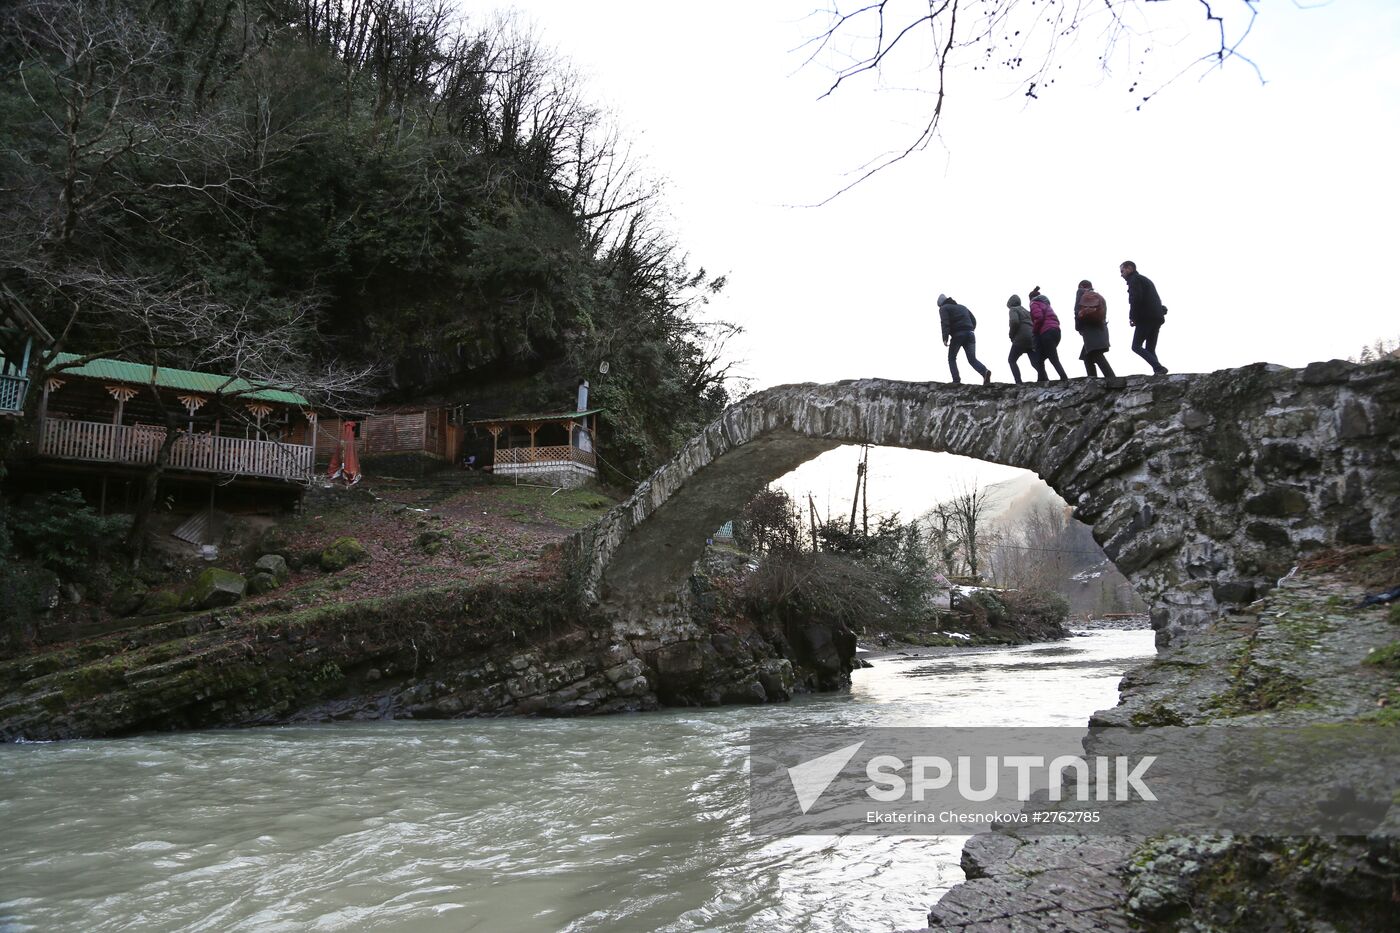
[186, 380]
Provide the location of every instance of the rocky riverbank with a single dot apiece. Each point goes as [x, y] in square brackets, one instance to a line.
[442, 597]
[1305, 654]
[482, 649]
[455, 602]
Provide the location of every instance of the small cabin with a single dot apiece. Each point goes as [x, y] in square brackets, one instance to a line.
[557, 449]
[433, 431]
[112, 414]
[21, 337]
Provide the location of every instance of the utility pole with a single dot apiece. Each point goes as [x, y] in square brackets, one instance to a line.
[812, 511]
[865, 493]
[855, 501]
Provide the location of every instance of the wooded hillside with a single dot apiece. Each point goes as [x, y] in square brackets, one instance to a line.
[386, 183]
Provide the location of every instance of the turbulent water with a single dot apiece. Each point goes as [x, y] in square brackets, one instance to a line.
[618, 823]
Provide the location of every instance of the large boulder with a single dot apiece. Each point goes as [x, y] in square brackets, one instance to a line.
[260, 583]
[344, 552]
[214, 588]
[127, 600]
[275, 566]
[160, 602]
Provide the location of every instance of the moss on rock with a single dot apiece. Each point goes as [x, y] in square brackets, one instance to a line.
[341, 554]
[213, 588]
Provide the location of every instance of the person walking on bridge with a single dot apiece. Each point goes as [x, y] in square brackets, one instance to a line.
[1091, 320]
[1021, 330]
[1146, 313]
[958, 334]
[1045, 325]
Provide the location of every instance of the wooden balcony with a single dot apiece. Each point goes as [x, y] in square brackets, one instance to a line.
[557, 454]
[12, 389]
[137, 445]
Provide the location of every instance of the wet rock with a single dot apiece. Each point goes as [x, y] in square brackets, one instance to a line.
[777, 678]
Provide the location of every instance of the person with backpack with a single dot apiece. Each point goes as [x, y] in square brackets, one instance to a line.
[1091, 320]
[1146, 314]
[1021, 330]
[958, 334]
[1045, 328]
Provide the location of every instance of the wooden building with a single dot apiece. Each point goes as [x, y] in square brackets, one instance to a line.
[111, 414]
[21, 339]
[434, 431]
[552, 448]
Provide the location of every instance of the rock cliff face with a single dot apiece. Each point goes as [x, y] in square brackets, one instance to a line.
[484, 650]
[1202, 489]
[1305, 654]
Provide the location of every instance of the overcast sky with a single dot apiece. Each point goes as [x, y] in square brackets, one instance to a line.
[1265, 213]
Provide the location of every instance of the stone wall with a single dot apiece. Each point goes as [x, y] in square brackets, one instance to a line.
[1202, 489]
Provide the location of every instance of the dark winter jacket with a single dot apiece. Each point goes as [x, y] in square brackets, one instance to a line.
[1095, 335]
[1021, 328]
[1144, 305]
[955, 318]
[1043, 317]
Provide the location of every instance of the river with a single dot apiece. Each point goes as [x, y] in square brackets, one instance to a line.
[618, 823]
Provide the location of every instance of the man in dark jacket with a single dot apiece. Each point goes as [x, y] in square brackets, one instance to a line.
[958, 326]
[1146, 313]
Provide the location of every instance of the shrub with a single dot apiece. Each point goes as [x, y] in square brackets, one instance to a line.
[62, 532]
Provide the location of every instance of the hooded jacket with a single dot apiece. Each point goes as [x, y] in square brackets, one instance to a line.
[1144, 304]
[955, 318]
[1043, 317]
[1021, 329]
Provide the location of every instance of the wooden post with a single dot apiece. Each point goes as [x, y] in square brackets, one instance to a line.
[51, 384]
[314, 422]
[122, 394]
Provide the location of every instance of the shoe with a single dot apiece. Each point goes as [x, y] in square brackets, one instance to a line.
[987, 378]
[1160, 371]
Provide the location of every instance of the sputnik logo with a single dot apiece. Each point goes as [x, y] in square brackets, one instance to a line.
[811, 778]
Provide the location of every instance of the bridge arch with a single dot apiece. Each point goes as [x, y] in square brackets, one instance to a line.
[1202, 489]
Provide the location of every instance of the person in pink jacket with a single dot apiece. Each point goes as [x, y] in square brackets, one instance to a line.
[1046, 328]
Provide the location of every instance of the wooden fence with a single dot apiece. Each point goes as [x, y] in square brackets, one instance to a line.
[139, 444]
[545, 455]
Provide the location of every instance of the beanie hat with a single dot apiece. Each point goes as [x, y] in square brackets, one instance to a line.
[942, 299]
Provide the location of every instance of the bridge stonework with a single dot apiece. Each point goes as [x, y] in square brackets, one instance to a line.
[1202, 489]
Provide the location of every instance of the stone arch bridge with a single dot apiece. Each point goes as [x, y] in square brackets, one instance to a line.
[1202, 489]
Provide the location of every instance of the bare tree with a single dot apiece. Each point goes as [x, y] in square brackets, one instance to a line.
[1026, 38]
[958, 530]
[1035, 552]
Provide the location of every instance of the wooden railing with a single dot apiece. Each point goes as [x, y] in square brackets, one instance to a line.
[545, 455]
[12, 389]
[203, 453]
